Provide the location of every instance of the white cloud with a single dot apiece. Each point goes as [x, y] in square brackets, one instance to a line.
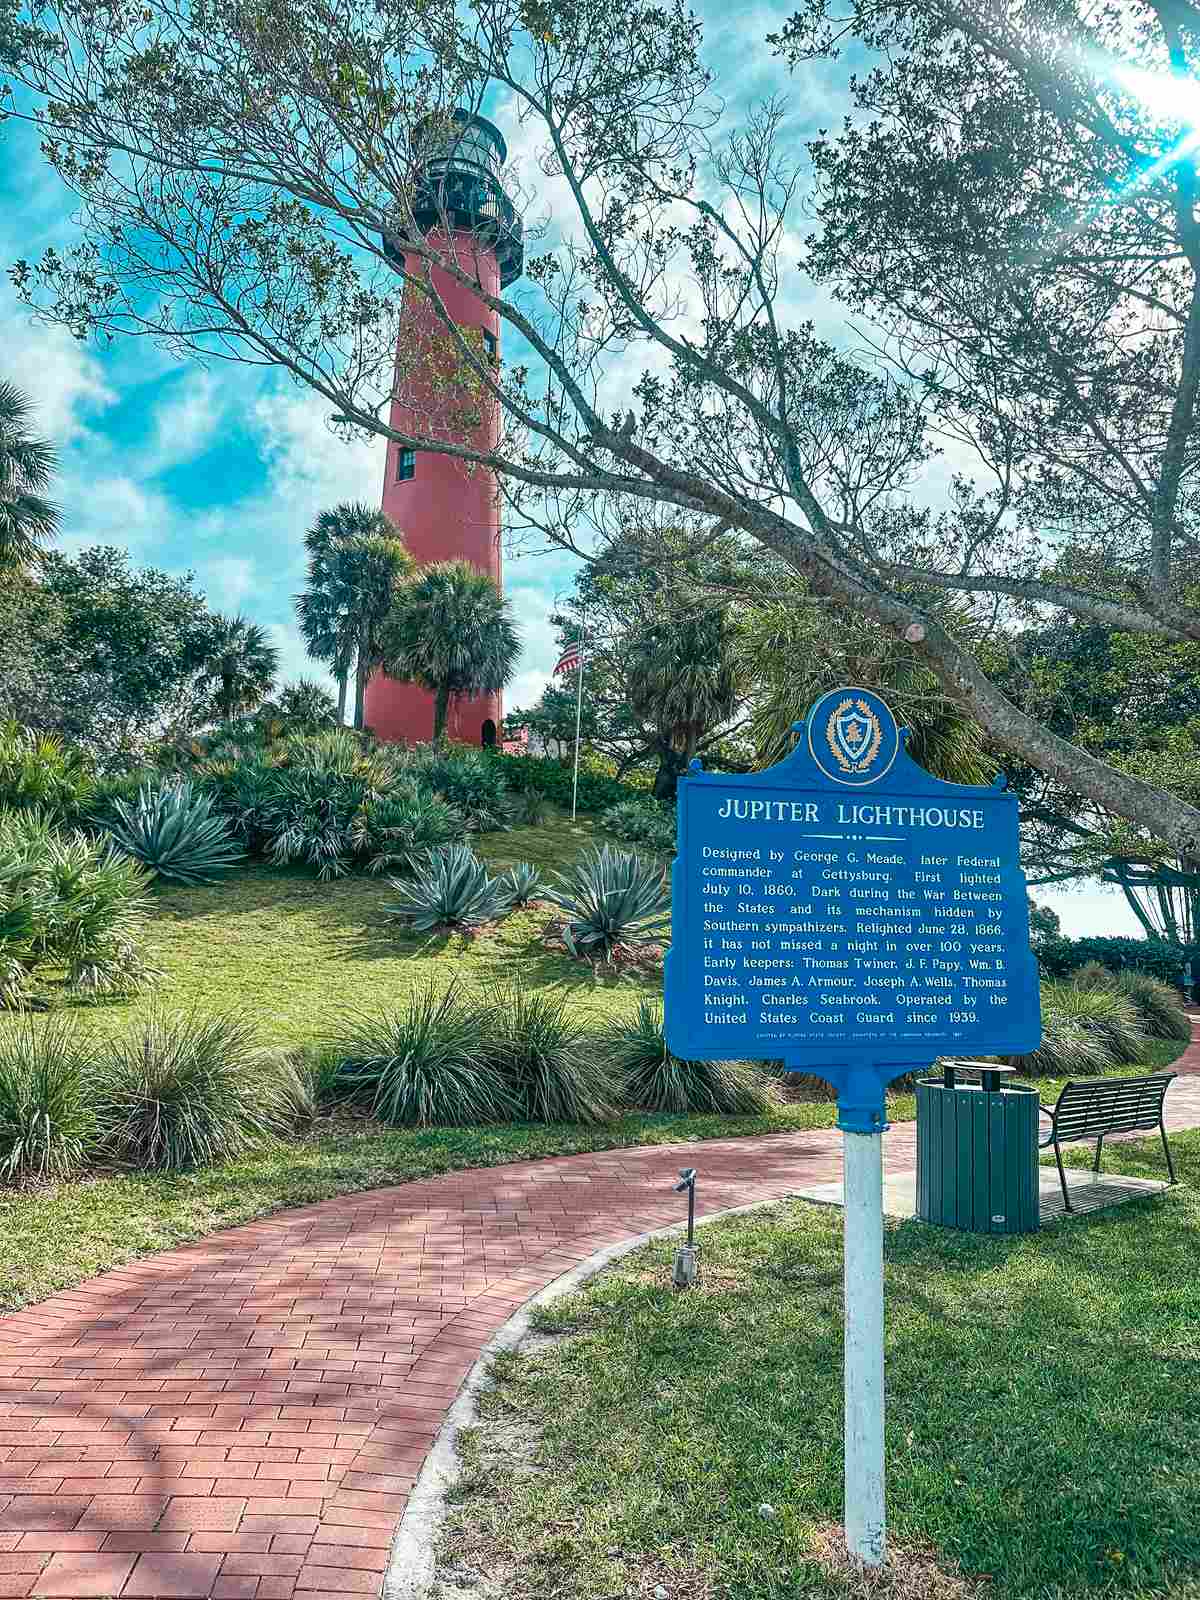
[63, 378]
[1090, 909]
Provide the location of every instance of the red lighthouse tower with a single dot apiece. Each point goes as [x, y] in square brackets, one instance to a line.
[448, 509]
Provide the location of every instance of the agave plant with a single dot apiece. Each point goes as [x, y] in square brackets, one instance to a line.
[452, 890]
[396, 831]
[423, 1066]
[612, 899]
[173, 830]
[652, 1079]
[528, 809]
[522, 883]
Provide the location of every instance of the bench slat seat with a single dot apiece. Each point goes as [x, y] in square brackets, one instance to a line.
[1093, 1108]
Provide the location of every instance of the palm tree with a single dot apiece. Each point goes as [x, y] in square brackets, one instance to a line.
[793, 651]
[682, 676]
[304, 704]
[241, 663]
[451, 632]
[357, 561]
[26, 467]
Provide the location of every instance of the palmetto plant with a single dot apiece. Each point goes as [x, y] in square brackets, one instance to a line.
[472, 783]
[612, 898]
[172, 829]
[38, 769]
[394, 832]
[180, 1091]
[451, 890]
[422, 1066]
[240, 667]
[652, 1079]
[27, 519]
[451, 631]
[47, 1118]
[69, 902]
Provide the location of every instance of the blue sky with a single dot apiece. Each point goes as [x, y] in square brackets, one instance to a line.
[220, 471]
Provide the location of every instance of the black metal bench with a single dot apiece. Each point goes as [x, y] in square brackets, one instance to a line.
[1092, 1108]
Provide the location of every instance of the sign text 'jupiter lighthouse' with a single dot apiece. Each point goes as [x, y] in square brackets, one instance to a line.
[847, 910]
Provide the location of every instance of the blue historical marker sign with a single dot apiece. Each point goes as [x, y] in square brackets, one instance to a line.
[848, 913]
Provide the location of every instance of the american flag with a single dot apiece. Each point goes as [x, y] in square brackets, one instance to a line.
[570, 658]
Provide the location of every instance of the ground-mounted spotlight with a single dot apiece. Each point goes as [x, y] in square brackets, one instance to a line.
[687, 1258]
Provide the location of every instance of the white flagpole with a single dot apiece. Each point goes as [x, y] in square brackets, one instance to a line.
[578, 723]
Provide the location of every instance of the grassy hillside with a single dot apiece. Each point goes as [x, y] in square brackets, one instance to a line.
[296, 952]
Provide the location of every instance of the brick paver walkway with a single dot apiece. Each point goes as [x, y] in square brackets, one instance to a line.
[244, 1418]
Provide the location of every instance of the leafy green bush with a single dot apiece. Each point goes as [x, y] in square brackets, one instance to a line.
[38, 770]
[652, 1079]
[521, 884]
[173, 830]
[471, 782]
[71, 903]
[547, 1059]
[1058, 957]
[452, 889]
[1157, 1007]
[395, 832]
[423, 1066]
[553, 779]
[612, 900]
[641, 822]
[182, 1091]
[47, 1119]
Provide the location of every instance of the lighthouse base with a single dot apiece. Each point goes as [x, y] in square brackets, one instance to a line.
[402, 713]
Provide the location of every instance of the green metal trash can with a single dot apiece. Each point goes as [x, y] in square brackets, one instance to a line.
[977, 1150]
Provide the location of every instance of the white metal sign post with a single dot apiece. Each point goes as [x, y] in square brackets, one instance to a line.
[863, 1291]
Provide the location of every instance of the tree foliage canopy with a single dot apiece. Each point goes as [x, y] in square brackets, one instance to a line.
[1010, 206]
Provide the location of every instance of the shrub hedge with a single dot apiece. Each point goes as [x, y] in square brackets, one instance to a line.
[553, 779]
[1059, 956]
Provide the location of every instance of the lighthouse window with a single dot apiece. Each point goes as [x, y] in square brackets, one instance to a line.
[406, 465]
[491, 345]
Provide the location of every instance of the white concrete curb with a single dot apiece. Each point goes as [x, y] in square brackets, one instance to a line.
[411, 1568]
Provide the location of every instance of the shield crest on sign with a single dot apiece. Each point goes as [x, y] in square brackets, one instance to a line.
[853, 734]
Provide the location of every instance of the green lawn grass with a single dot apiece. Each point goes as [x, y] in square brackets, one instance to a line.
[1043, 1432]
[296, 953]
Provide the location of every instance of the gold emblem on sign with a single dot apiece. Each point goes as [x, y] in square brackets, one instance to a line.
[853, 733]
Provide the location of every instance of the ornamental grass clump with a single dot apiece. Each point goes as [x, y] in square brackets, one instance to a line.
[1105, 1014]
[547, 1058]
[451, 890]
[185, 1090]
[47, 1116]
[614, 901]
[422, 1066]
[174, 831]
[1158, 1008]
[652, 1079]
